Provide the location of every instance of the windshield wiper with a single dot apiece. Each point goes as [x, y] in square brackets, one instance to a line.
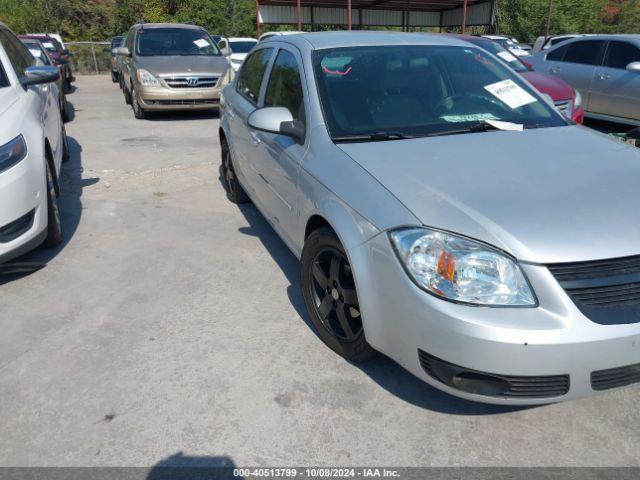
[373, 137]
[481, 126]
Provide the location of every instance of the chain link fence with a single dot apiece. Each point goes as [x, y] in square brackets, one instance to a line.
[90, 58]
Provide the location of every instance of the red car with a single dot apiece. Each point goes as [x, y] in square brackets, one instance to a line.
[566, 98]
[61, 57]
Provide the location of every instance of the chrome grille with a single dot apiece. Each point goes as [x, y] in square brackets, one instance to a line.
[191, 82]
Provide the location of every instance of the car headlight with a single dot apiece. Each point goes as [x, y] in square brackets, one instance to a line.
[146, 79]
[12, 152]
[461, 270]
[577, 102]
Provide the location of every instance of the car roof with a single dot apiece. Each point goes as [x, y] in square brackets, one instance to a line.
[321, 40]
[148, 26]
[242, 39]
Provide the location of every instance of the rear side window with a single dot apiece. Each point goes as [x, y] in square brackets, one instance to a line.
[621, 54]
[19, 55]
[586, 52]
[4, 81]
[558, 54]
[252, 73]
[285, 86]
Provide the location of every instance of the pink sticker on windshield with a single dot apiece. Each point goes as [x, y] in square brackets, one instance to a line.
[336, 72]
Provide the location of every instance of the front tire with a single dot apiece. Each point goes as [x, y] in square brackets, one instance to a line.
[114, 77]
[66, 154]
[138, 111]
[127, 94]
[329, 292]
[235, 192]
[54, 226]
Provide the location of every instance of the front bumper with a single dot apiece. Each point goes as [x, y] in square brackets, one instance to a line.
[165, 98]
[552, 340]
[23, 209]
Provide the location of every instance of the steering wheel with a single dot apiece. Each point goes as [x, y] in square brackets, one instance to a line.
[449, 102]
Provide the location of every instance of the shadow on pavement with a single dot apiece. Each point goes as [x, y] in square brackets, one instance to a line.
[71, 183]
[183, 467]
[382, 370]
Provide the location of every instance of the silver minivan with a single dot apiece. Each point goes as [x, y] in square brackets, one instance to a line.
[605, 69]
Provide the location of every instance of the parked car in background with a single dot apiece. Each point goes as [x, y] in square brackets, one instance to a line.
[55, 36]
[565, 97]
[170, 66]
[509, 44]
[605, 69]
[545, 43]
[236, 48]
[445, 214]
[266, 35]
[40, 53]
[61, 57]
[33, 145]
[114, 44]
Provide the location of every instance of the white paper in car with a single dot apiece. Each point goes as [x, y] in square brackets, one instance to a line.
[510, 93]
[201, 42]
[35, 52]
[514, 127]
[48, 45]
[506, 56]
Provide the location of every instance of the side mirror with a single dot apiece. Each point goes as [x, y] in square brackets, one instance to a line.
[39, 75]
[277, 120]
[124, 51]
[635, 134]
[634, 67]
[226, 51]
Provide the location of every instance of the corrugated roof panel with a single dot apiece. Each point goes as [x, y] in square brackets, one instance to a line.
[476, 15]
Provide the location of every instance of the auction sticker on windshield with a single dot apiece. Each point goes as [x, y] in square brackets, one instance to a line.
[510, 93]
[201, 42]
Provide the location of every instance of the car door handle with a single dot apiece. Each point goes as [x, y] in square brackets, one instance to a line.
[554, 69]
[604, 76]
[255, 138]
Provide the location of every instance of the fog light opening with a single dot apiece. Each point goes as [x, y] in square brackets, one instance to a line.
[481, 384]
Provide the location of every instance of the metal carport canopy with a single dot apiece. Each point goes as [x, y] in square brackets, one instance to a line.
[372, 13]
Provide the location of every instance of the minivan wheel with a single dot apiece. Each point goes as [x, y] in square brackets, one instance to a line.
[235, 192]
[54, 227]
[127, 94]
[329, 292]
[138, 111]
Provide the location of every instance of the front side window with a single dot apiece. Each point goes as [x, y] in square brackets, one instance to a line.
[174, 41]
[4, 81]
[285, 86]
[585, 52]
[621, 54]
[422, 90]
[252, 73]
[558, 54]
[18, 54]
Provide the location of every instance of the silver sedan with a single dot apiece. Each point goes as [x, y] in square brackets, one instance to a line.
[445, 214]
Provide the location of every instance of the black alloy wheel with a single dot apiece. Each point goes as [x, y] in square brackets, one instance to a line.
[235, 192]
[330, 295]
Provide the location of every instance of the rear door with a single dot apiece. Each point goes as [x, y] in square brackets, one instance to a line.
[576, 64]
[244, 100]
[616, 90]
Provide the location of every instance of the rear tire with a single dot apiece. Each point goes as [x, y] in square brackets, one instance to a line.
[54, 227]
[329, 292]
[127, 94]
[235, 192]
[114, 77]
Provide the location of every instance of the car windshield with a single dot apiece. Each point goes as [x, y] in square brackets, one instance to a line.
[506, 43]
[501, 52]
[36, 50]
[241, 46]
[116, 42]
[175, 41]
[422, 90]
[49, 45]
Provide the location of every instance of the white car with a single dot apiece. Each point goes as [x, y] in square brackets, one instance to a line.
[266, 35]
[236, 48]
[57, 36]
[33, 145]
[509, 44]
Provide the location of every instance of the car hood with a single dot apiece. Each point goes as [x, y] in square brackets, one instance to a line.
[544, 195]
[555, 87]
[187, 65]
